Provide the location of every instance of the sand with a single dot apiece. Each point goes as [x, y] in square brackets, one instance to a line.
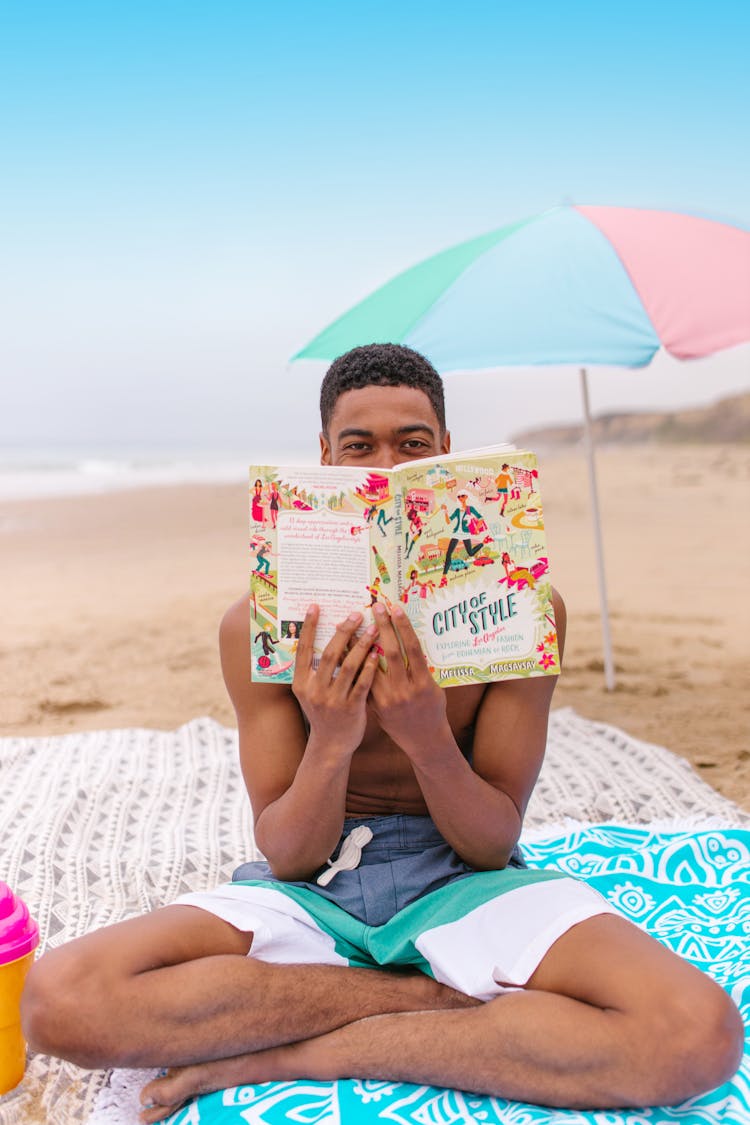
[110, 604]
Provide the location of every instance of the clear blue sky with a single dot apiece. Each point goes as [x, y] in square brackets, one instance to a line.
[190, 191]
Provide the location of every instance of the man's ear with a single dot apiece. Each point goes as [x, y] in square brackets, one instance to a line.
[445, 446]
[325, 449]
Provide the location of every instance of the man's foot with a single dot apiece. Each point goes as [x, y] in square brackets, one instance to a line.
[163, 1096]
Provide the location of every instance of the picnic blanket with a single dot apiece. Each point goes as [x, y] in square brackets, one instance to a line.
[100, 825]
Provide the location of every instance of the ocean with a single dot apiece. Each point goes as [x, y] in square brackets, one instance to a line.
[39, 473]
[26, 475]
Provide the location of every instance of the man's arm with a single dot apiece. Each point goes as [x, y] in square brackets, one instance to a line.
[478, 808]
[297, 782]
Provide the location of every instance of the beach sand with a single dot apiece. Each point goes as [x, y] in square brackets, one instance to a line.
[110, 604]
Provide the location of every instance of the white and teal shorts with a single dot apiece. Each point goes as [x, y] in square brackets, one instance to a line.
[411, 901]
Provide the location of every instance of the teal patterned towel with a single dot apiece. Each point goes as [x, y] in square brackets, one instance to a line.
[691, 891]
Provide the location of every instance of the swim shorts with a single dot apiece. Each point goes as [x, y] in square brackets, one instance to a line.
[411, 901]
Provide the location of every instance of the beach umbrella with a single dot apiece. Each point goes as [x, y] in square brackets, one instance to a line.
[581, 286]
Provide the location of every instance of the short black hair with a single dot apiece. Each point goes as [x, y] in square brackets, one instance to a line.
[380, 365]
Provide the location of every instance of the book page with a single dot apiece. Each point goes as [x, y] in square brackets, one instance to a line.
[323, 558]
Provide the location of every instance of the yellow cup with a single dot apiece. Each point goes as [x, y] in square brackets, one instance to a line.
[12, 1043]
[19, 937]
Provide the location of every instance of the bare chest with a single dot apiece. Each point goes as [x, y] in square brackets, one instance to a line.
[381, 779]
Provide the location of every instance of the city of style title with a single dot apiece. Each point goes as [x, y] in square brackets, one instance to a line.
[476, 612]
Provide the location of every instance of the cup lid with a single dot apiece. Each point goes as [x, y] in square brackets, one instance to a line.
[19, 933]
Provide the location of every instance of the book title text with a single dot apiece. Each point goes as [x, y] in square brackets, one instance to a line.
[476, 612]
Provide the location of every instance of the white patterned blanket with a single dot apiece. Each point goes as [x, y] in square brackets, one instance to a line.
[100, 825]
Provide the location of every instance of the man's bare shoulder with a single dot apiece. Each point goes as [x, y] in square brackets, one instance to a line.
[236, 621]
[561, 619]
[511, 727]
[234, 636]
[269, 719]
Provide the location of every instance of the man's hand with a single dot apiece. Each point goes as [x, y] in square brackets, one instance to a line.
[334, 697]
[409, 705]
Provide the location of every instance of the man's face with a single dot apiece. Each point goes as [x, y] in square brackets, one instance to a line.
[381, 426]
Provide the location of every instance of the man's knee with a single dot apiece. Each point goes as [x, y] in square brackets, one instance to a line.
[698, 1044]
[64, 1005]
[718, 1036]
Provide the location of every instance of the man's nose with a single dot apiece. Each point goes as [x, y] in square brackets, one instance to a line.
[388, 456]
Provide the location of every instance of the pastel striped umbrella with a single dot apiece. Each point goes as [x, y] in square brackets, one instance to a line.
[579, 285]
[574, 285]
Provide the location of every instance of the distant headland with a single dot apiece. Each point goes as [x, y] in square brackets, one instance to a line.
[727, 420]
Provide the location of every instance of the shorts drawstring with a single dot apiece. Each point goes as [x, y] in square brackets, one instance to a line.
[349, 855]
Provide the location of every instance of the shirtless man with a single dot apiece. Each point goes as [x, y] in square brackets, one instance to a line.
[555, 1000]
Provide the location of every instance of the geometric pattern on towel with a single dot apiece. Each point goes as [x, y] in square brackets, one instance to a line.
[99, 825]
[691, 891]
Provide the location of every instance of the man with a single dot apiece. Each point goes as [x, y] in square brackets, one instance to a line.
[555, 999]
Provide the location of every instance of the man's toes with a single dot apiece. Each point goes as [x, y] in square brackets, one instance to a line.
[165, 1094]
[153, 1112]
[156, 1113]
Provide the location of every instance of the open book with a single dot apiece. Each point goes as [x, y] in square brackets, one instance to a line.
[457, 539]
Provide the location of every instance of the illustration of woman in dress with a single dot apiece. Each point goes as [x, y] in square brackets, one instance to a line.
[257, 507]
[273, 502]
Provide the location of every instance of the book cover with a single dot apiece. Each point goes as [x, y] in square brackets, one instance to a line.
[474, 568]
[459, 540]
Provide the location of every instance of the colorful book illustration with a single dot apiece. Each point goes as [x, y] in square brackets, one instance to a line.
[458, 539]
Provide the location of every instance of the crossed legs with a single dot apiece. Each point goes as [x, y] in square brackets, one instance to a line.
[610, 1018]
[177, 987]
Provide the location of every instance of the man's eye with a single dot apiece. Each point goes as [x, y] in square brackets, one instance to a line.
[356, 446]
[415, 443]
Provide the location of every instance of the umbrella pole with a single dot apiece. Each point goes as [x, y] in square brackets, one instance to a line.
[609, 667]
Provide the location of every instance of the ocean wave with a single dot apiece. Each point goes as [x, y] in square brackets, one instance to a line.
[33, 476]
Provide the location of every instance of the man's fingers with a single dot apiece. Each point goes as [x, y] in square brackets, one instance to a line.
[336, 648]
[389, 639]
[410, 645]
[356, 658]
[404, 646]
[366, 678]
[303, 658]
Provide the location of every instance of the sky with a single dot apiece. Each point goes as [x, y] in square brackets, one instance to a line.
[191, 191]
